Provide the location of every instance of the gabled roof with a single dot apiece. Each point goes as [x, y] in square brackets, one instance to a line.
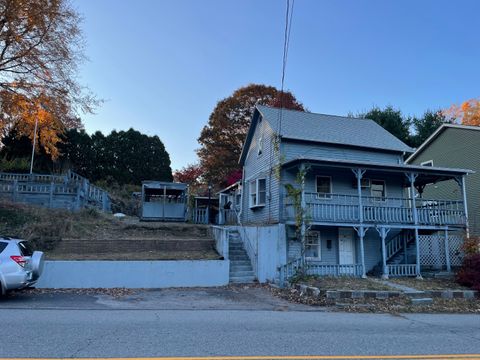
[436, 134]
[332, 129]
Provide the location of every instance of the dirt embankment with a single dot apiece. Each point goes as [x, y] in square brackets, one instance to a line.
[90, 234]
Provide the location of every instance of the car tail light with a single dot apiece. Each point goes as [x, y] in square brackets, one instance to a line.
[20, 260]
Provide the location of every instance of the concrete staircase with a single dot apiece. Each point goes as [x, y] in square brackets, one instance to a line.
[241, 271]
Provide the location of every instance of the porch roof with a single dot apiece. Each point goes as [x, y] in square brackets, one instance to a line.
[426, 174]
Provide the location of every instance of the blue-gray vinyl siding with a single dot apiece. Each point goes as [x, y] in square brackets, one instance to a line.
[292, 150]
[372, 246]
[259, 166]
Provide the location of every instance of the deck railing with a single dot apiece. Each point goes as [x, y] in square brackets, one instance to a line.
[292, 268]
[402, 270]
[200, 215]
[386, 210]
[334, 269]
[29, 188]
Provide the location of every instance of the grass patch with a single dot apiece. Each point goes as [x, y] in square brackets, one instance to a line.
[343, 283]
[429, 283]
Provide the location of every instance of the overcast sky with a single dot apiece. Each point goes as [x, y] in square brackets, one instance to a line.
[161, 66]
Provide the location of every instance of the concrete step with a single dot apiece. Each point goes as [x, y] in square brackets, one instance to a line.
[238, 258]
[422, 301]
[241, 267]
[240, 263]
[242, 279]
[241, 273]
[238, 253]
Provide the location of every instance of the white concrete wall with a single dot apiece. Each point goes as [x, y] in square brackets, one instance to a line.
[134, 274]
[270, 245]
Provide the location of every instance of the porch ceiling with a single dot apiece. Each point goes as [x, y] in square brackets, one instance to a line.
[426, 174]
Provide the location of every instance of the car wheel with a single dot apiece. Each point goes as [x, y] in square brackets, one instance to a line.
[3, 291]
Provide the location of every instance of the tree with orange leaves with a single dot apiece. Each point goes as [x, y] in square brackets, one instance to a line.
[468, 113]
[41, 47]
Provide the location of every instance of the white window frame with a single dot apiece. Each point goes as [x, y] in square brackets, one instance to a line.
[377, 199]
[260, 145]
[326, 196]
[427, 163]
[312, 235]
[255, 196]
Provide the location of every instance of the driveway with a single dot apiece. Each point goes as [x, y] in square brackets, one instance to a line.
[221, 298]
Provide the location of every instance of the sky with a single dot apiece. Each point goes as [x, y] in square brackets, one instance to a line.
[161, 66]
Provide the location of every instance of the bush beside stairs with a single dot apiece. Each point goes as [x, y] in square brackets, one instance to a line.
[241, 271]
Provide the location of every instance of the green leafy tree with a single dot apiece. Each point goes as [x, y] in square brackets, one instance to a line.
[221, 140]
[391, 120]
[426, 126]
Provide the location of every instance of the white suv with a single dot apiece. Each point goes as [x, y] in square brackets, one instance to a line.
[20, 266]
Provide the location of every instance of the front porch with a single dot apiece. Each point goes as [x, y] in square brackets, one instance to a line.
[376, 251]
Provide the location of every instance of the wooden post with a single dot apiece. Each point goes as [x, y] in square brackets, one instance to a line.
[383, 234]
[303, 205]
[405, 260]
[50, 200]
[412, 177]
[361, 234]
[464, 193]
[359, 174]
[15, 190]
[447, 252]
[164, 201]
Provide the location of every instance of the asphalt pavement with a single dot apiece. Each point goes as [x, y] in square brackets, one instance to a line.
[216, 322]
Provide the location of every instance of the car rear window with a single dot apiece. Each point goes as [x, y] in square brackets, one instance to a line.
[25, 248]
[3, 245]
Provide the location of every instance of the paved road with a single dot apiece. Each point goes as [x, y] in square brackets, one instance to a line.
[98, 328]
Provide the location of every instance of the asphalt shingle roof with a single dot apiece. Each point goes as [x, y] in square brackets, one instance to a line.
[306, 126]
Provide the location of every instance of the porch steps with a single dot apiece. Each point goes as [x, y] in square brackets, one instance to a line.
[241, 271]
[399, 258]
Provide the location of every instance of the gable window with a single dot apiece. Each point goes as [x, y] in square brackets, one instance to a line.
[427, 163]
[260, 145]
[378, 190]
[313, 246]
[258, 192]
[324, 187]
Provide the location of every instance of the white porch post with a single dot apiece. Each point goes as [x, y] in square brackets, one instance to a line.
[412, 177]
[361, 234]
[361, 230]
[447, 252]
[383, 234]
[464, 193]
[303, 204]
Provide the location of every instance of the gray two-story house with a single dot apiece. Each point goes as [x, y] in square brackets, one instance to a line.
[349, 202]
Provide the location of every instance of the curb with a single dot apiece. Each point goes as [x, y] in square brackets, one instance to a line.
[382, 295]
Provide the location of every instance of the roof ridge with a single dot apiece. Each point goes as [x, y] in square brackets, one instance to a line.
[314, 113]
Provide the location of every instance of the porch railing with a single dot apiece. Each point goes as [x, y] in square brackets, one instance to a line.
[386, 210]
[402, 270]
[334, 270]
[290, 269]
[200, 216]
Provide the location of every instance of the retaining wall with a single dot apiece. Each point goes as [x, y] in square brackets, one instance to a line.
[134, 274]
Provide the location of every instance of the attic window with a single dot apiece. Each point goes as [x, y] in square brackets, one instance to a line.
[427, 163]
[260, 145]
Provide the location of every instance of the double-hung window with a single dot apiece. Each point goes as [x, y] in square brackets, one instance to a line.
[377, 190]
[313, 248]
[324, 187]
[258, 192]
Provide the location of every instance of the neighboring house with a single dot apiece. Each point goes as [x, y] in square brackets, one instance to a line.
[341, 186]
[454, 146]
[164, 201]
